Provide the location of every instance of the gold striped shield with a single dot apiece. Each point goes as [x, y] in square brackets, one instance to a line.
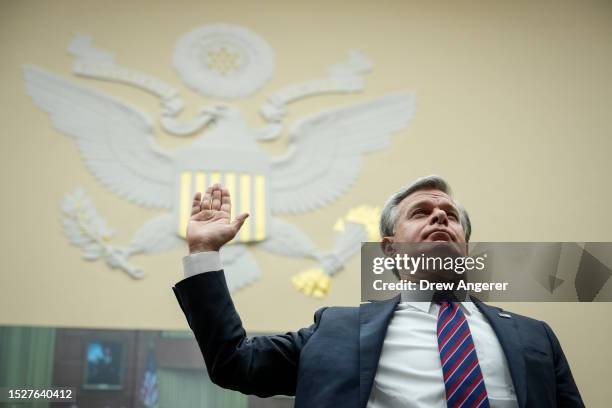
[248, 193]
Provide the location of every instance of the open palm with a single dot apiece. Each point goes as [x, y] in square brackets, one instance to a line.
[210, 225]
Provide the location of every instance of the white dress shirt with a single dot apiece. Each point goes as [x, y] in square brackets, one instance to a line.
[409, 372]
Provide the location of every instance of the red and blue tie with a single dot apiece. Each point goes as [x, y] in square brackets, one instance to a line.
[463, 380]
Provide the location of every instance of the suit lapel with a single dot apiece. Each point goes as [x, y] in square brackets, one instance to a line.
[510, 340]
[374, 318]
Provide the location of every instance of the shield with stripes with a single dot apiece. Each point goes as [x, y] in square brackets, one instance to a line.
[244, 172]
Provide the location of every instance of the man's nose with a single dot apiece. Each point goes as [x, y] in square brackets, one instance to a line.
[438, 216]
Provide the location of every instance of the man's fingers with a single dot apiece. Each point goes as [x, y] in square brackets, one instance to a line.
[239, 220]
[206, 201]
[195, 206]
[226, 204]
[216, 198]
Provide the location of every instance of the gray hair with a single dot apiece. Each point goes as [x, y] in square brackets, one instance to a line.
[389, 214]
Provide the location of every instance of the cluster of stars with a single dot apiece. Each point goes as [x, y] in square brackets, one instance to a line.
[222, 60]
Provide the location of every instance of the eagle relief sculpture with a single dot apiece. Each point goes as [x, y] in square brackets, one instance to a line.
[116, 142]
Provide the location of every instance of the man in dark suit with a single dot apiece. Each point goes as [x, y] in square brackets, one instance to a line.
[395, 353]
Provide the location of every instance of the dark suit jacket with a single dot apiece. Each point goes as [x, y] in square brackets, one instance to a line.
[333, 362]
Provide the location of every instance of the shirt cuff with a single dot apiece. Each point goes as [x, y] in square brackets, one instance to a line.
[201, 262]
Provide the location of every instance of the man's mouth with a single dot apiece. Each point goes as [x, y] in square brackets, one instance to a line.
[440, 236]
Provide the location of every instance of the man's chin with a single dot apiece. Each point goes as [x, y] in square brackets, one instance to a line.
[440, 248]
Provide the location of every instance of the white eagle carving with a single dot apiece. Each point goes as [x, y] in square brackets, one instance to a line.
[116, 141]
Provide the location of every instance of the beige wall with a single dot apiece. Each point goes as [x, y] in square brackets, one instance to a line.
[513, 107]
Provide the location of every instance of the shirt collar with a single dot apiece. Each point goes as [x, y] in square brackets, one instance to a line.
[421, 300]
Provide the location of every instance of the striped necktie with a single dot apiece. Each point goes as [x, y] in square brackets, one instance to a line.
[463, 380]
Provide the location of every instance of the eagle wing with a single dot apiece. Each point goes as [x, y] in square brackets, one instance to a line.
[325, 151]
[114, 138]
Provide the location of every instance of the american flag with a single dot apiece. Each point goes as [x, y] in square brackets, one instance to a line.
[149, 390]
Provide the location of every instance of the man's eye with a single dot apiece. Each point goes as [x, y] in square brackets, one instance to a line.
[418, 212]
[453, 216]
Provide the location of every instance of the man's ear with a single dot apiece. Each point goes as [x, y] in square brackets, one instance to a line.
[387, 246]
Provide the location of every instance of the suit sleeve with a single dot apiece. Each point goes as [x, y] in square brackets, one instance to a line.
[260, 365]
[567, 391]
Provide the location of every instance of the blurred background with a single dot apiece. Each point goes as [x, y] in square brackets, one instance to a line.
[512, 108]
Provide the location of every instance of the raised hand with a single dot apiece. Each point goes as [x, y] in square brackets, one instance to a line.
[210, 226]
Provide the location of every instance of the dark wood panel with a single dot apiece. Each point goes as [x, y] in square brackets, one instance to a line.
[172, 353]
[70, 361]
[179, 353]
